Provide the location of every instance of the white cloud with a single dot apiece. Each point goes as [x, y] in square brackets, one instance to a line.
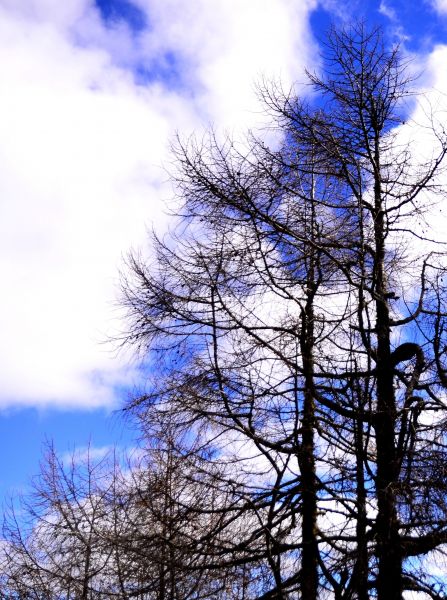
[88, 455]
[81, 149]
[387, 11]
[440, 6]
[61, 13]
[227, 44]
[431, 112]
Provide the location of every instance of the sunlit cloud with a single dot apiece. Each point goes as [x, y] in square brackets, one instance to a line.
[440, 6]
[88, 105]
[387, 11]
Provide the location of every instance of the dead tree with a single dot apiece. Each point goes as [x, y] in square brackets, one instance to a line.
[284, 320]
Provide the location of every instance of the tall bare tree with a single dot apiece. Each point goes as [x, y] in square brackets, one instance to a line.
[295, 320]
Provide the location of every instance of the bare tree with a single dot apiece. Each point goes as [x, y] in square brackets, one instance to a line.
[95, 530]
[300, 335]
[51, 547]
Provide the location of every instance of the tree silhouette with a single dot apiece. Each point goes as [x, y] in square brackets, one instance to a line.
[298, 316]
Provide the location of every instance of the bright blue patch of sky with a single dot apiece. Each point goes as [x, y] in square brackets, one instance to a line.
[416, 24]
[23, 433]
[114, 11]
[167, 69]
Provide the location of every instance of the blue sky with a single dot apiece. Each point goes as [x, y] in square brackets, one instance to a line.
[91, 92]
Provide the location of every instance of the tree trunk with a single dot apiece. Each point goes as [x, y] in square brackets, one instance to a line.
[309, 558]
[389, 555]
[360, 572]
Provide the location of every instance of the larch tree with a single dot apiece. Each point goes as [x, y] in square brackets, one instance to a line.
[298, 319]
[97, 530]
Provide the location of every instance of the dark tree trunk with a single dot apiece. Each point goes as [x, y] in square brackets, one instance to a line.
[389, 555]
[309, 559]
[360, 571]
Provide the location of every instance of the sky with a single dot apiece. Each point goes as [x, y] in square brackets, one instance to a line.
[91, 94]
